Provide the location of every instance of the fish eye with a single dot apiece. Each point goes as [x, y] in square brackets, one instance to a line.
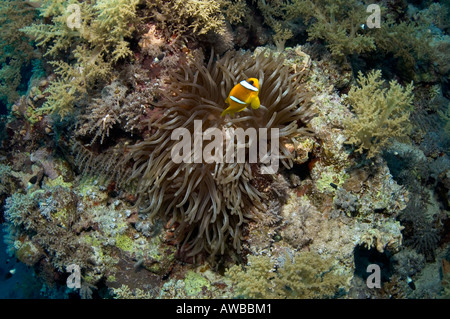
[250, 82]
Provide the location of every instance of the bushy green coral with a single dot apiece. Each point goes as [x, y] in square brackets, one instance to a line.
[308, 275]
[104, 25]
[408, 42]
[342, 26]
[197, 16]
[380, 113]
[281, 36]
[96, 43]
[74, 81]
[235, 11]
[112, 23]
[16, 50]
[338, 23]
[56, 36]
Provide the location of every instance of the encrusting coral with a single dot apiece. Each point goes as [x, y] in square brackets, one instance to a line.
[41, 222]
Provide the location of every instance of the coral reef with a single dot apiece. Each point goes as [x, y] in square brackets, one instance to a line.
[207, 202]
[99, 97]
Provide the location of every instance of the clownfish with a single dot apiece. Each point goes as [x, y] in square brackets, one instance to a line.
[241, 95]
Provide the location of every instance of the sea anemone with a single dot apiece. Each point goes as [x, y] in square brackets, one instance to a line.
[207, 204]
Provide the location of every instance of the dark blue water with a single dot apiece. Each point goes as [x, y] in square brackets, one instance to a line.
[17, 281]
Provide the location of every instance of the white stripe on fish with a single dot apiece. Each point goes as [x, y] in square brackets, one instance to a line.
[235, 99]
[248, 86]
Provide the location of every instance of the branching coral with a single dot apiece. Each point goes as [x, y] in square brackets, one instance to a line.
[343, 27]
[202, 20]
[281, 36]
[98, 41]
[408, 42]
[15, 50]
[338, 23]
[208, 202]
[199, 16]
[380, 113]
[113, 22]
[115, 110]
[308, 275]
[235, 11]
[74, 81]
[103, 115]
[104, 25]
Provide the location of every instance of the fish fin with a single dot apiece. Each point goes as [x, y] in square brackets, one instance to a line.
[241, 109]
[255, 103]
[225, 112]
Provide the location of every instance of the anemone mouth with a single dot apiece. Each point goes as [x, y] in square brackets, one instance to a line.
[209, 203]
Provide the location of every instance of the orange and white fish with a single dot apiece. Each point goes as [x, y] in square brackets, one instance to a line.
[241, 95]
